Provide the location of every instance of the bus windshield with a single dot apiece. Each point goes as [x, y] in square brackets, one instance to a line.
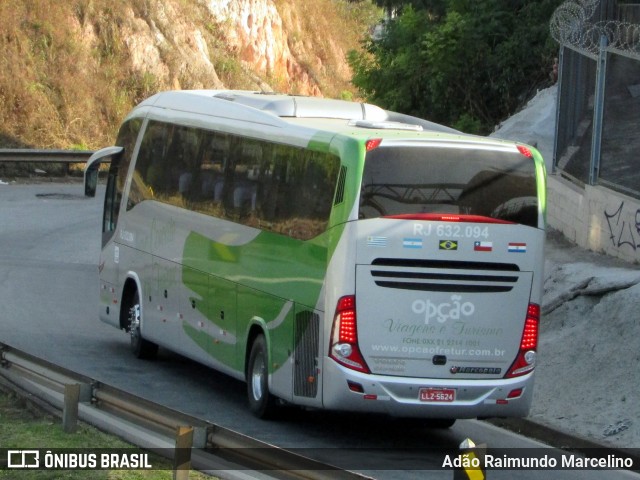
[414, 180]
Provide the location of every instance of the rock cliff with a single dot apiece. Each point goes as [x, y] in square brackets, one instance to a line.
[71, 70]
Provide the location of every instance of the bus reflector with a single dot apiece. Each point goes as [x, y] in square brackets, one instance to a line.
[344, 336]
[515, 393]
[526, 359]
[372, 144]
[355, 387]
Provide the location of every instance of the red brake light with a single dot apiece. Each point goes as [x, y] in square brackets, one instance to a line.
[344, 336]
[447, 217]
[525, 151]
[346, 309]
[530, 333]
[372, 144]
[525, 362]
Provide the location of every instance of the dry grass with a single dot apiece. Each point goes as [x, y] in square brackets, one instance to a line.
[66, 79]
[24, 425]
[55, 90]
[321, 32]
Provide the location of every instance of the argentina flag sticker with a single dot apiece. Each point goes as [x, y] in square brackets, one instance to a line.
[412, 243]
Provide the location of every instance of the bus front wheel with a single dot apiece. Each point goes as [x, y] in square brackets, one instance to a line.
[140, 347]
[261, 403]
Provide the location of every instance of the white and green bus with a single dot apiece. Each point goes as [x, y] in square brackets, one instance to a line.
[331, 254]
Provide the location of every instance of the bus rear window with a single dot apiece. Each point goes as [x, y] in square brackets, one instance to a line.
[405, 180]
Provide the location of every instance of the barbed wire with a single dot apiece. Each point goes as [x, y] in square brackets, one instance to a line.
[570, 25]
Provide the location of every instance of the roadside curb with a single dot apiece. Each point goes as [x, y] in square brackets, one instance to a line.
[562, 440]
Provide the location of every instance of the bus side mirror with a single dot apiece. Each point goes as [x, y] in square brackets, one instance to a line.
[92, 167]
[91, 180]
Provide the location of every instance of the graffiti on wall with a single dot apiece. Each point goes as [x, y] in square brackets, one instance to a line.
[623, 231]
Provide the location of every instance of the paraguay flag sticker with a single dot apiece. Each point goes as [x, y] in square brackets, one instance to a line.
[517, 247]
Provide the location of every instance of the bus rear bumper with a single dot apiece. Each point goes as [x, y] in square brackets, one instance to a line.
[345, 389]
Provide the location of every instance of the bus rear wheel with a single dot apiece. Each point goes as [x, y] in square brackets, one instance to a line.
[140, 347]
[261, 403]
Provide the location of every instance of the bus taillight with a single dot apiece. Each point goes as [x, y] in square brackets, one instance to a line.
[372, 144]
[446, 217]
[526, 359]
[344, 336]
[525, 151]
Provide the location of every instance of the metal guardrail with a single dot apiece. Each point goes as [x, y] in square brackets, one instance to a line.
[115, 411]
[23, 155]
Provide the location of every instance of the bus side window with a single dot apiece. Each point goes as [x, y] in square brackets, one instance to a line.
[306, 185]
[240, 184]
[207, 163]
[146, 177]
[268, 187]
[110, 214]
[127, 137]
[188, 165]
[285, 189]
[200, 173]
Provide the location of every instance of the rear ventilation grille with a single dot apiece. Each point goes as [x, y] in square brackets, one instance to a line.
[342, 176]
[445, 276]
[448, 264]
[306, 331]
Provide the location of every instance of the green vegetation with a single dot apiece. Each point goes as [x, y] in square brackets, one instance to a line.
[25, 426]
[465, 63]
[68, 73]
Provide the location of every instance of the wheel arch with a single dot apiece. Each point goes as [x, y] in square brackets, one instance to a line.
[256, 328]
[130, 287]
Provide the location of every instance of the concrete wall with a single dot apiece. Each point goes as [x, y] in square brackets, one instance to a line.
[595, 218]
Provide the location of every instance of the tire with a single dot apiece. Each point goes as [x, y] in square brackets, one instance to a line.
[140, 347]
[261, 403]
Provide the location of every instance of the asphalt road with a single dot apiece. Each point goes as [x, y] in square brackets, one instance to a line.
[49, 247]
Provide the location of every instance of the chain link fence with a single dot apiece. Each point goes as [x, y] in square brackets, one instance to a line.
[597, 139]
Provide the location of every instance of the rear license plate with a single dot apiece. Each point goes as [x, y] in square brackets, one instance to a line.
[440, 395]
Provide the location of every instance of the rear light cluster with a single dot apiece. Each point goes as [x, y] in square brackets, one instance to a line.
[526, 359]
[372, 144]
[344, 336]
[525, 151]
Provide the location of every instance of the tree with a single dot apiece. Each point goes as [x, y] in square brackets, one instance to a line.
[469, 65]
[388, 73]
[434, 7]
